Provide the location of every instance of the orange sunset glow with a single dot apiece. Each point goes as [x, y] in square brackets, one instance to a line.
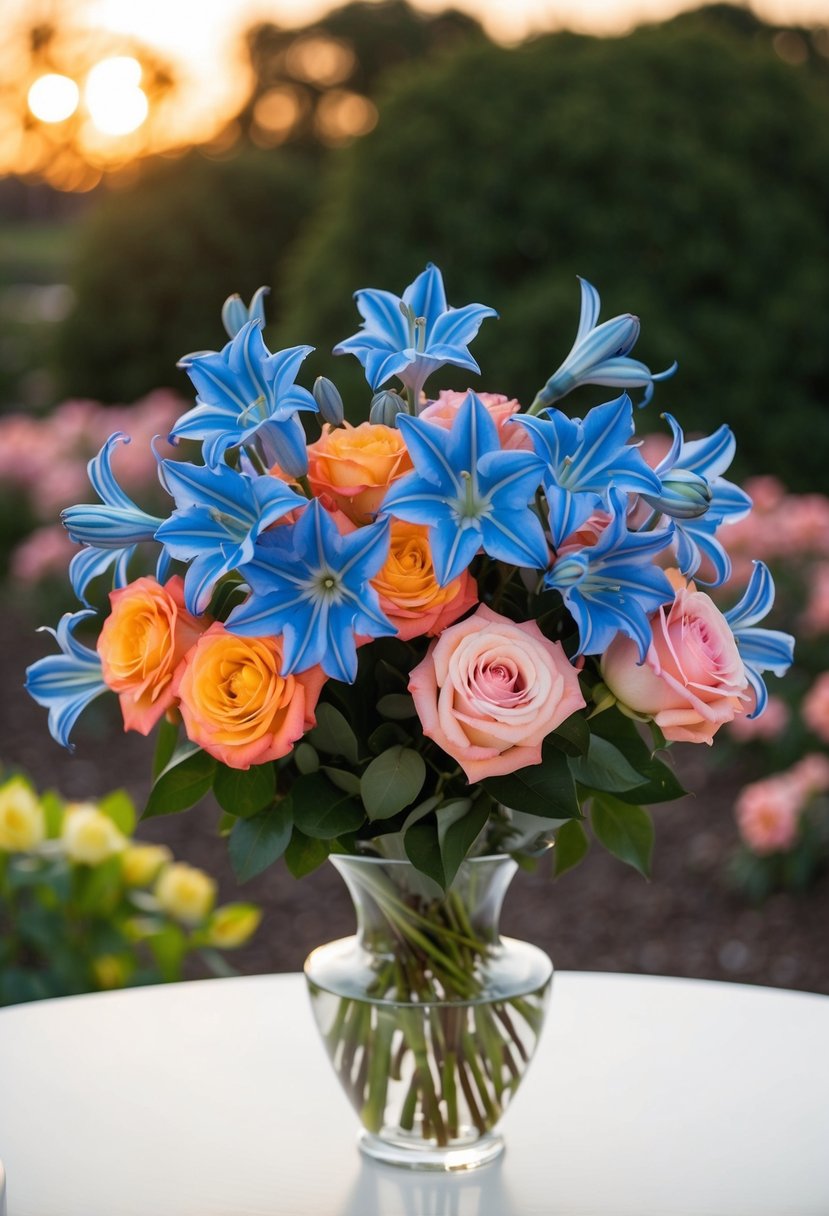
[89, 85]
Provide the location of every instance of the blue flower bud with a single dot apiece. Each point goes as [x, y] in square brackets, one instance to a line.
[385, 406]
[329, 402]
[685, 495]
[235, 314]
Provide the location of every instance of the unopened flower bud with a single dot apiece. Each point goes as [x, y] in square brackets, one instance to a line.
[235, 314]
[385, 406]
[232, 925]
[685, 495]
[329, 402]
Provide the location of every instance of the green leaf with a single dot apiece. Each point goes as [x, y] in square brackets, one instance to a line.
[306, 758]
[604, 768]
[52, 805]
[119, 807]
[626, 831]
[571, 846]
[304, 854]
[168, 946]
[333, 735]
[423, 849]
[244, 792]
[344, 780]
[397, 705]
[573, 736]
[392, 781]
[165, 745]
[182, 783]
[388, 734]
[258, 842]
[459, 824]
[659, 782]
[99, 887]
[546, 789]
[323, 811]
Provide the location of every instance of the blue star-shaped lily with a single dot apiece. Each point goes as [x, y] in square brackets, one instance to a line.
[246, 394]
[613, 586]
[412, 337]
[66, 682]
[472, 494]
[109, 530]
[584, 459]
[219, 515]
[706, 459]
[760, 649]
[311, 584]
[600, 355]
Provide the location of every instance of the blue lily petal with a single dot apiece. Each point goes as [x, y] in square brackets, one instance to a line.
[412, 336]
[472, 494]
[116, 522]
[586, 458]
[219, 514]
[760, 649]
[66, 683]
[599, 355]
[696, 537]
[613, 586]
[311, 584]
[240, 390]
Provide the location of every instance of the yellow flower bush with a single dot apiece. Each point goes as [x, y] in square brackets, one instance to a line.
[84, 907]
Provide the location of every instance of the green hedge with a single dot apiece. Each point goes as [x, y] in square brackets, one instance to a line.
[683, 169]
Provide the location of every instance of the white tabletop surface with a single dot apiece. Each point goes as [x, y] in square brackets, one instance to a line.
[648, 1097]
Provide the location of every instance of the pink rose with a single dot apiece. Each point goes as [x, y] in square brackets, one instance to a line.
[489, 691]
[692, 680]
[768, 813]
[500, 408]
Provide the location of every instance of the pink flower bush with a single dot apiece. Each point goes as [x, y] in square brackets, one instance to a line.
[490, 690]
[770, 724]
[692, 680]
[816, 708]
[768, 813]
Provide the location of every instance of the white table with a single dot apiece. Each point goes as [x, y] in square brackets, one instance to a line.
[648, 1097]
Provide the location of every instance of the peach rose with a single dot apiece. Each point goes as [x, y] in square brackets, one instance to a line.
[692, 679]
[410, 595]
[355, 465]
[142, 644]
[768, 813]
[444, 410]
[489, 691]
[236, 703]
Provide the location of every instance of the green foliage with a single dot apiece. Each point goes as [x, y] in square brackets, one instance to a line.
[183, 782]
[683, 170]
[258, 842]
[626, 831]
[155, 262]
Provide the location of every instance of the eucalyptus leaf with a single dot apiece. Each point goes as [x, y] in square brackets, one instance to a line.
[244, 792]
[182, 783]
[333, 735]
[304, 854]
[258, 842]
[323, 811]
[392, 781]
[306, 758]
[343, 778]
[396, 705]
[625, 831]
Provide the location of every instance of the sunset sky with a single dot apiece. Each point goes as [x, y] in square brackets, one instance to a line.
[202, 42]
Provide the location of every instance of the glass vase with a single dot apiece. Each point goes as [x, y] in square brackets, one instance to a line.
[430, 1017]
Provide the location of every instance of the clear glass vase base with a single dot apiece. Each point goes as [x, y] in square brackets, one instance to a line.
[414, 1154]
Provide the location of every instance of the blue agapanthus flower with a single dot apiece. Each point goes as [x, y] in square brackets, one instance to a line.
[584, 459]
[696, 537]
[613, 586]
[472, 494]
[600, 355]
[245, 395]
[311, 584]
[760, 649]
[219, 515]
[412, 337]
[109, 530]
[66, 683]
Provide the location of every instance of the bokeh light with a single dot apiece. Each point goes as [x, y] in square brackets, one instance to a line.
[53, 98]
[117, 104]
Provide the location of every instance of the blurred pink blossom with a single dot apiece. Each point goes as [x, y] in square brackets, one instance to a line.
[811, 774]
[816, 707]
[47, 551]
[768, 812]
[816, 617]
[771, 722]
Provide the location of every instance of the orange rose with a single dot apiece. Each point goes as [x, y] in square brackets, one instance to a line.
[355, 465]
[236, 703]
[142, 644]
[410, 595]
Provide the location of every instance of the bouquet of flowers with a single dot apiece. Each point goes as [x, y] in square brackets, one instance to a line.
[429, 635]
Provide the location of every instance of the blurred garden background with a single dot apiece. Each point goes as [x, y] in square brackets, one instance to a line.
[681, 165]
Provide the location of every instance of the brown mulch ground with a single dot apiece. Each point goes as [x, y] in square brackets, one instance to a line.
[602, 916]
